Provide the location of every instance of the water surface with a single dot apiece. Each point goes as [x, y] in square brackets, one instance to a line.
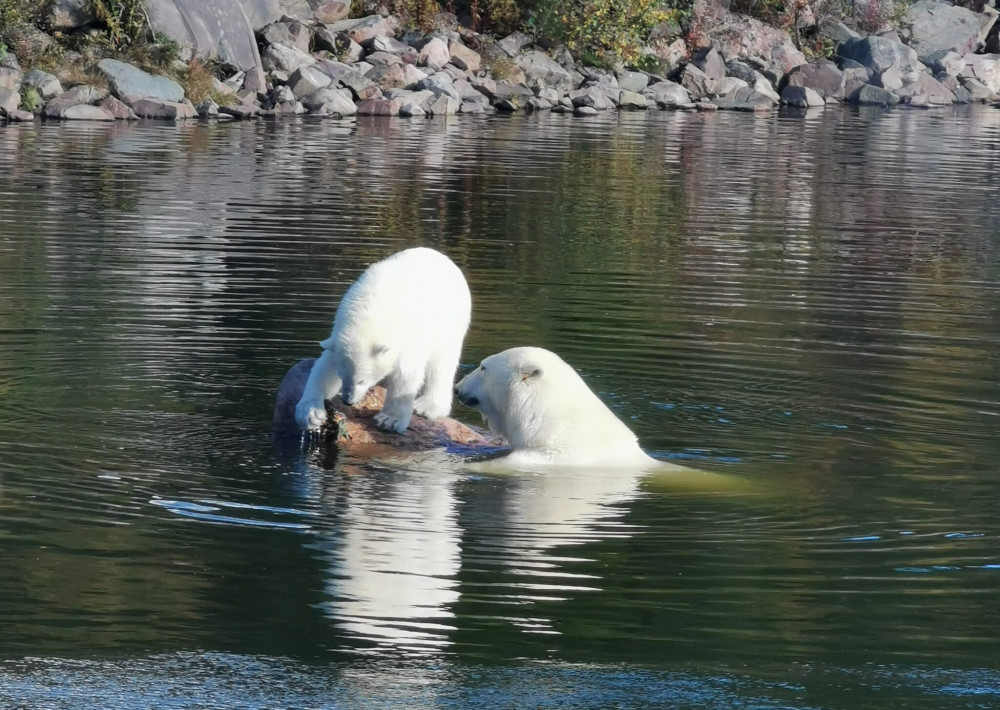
[806, 303]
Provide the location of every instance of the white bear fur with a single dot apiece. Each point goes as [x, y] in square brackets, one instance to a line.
[400, 324]
[547, 414]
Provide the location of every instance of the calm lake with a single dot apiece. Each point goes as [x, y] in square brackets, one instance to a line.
[806, 304]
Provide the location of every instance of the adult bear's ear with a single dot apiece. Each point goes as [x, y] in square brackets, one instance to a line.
[530, 372]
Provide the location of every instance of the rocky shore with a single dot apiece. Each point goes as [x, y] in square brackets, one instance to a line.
[271, 58]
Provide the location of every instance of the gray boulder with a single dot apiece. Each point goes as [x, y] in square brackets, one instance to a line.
[217, 28]
[85, 112]
[880, 53]
[592, 97]
[391, 45]
[869, 95]
[281, 57]
[944, 61]
[292, 34]
[667, 94]
[307, 80]
[364, 29]
[697, 83]
[11, 79]
[68, 14]
[387, 76]
[984, 68]
[930, 26]
[166, 110]
[513, 44]
[9, 100]
[47, 85]
[710, 62]
[636, 81]
[821, 76]
[337, 103]
[118, 109]
[131, 83]
[632, 100]
[926, 90]
[442, 106]
[463, 57]
[434, 54]
[325, 11]
[977, 90]
[378, 107]
[802, 96]
[542, 70]
[745, 39]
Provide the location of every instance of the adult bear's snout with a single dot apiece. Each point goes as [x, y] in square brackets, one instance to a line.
[467, 400]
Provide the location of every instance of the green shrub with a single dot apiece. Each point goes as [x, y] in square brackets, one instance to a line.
[603, 31]
[30, 100]
[124, 21]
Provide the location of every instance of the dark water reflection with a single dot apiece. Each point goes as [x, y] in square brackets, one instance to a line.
[806, 303]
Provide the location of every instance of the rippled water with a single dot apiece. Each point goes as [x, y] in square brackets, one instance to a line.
[806, 304]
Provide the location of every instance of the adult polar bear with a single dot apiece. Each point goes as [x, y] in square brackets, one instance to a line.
[402, 323]
[544, 409]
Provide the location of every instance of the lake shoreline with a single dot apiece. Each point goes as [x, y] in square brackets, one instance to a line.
[374, 65]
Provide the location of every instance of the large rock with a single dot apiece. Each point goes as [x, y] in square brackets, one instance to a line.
[542, 70]
[710, 62]
[85, 112]
[167, 110]
[331, 102]
[636, 81]
[9, 100]
[926, 90]
[378, 107]
[869, 95]
[68, 14]
[292, 33]
[984, 68]
[325, 11]
[667, 94]
[880, 53]
[361, 86]
[118, 109]
[387, 76]
[821, 76]
[285, 58]
[434, 54]
[930, 26]
[944, 62]
[463, 57]
[307, 80]
[220, 29]
[801, 96]
[131, 83]
[746, 39]
[697, 83]
[362, 30]
[593, 97]
[11, 79]
[47, 85]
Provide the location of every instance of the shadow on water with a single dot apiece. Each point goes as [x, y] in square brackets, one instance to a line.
[807, 305]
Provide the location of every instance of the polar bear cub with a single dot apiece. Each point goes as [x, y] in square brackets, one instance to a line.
[401, 324]
[545, 410]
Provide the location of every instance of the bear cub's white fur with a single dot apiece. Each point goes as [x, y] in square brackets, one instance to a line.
[546, 412]
[401, 324]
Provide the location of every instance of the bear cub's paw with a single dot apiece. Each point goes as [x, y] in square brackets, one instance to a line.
[430, 409]
[392, 422]
[310, 414]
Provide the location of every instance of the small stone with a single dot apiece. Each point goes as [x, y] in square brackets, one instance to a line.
[363, 30]
[585, 111]
[240, 111]
[387, 76]
[869, 95]
[412, 76]
[443, 106]
[631, 100]
[18, 116]
[281, 57]
[411, 109]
